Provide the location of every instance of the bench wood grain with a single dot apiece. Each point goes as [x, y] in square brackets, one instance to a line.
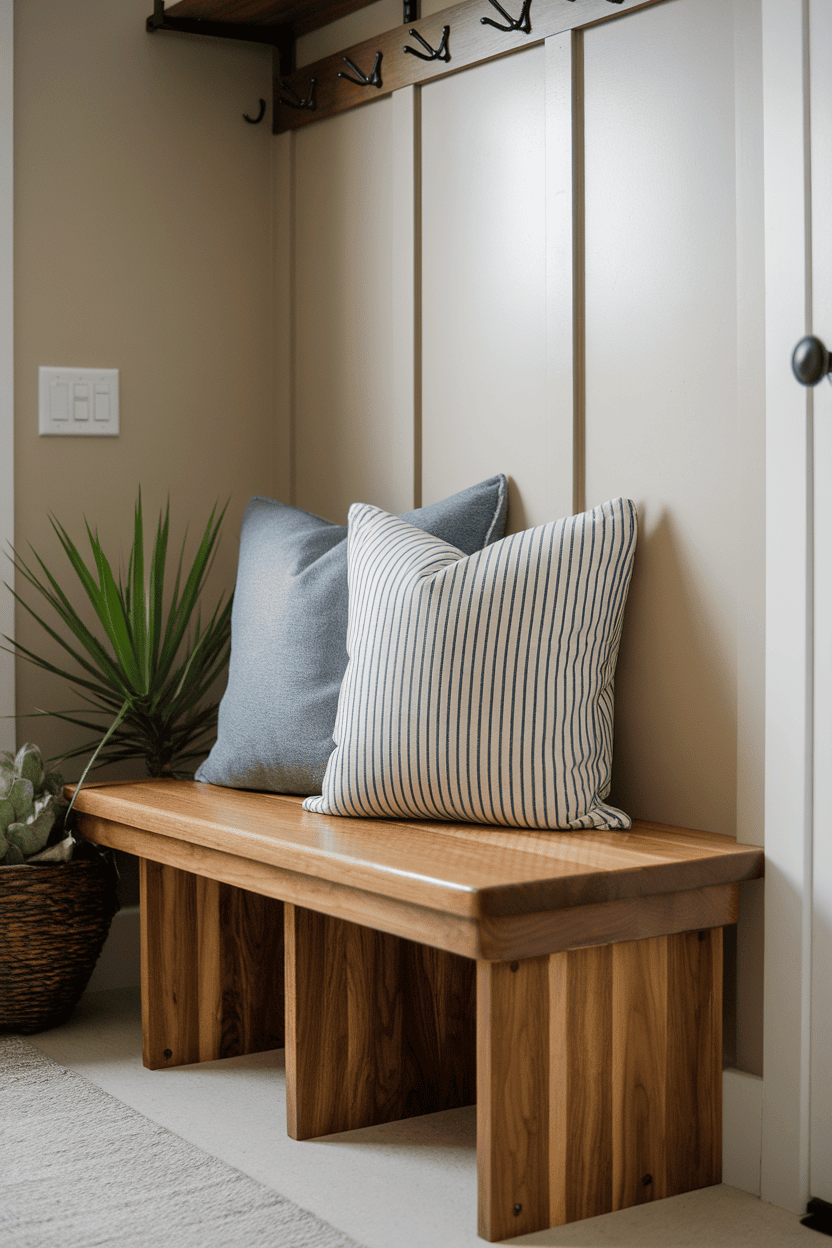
[572, 979]
[212, 968]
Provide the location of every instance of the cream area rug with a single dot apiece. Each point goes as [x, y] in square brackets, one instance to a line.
[78, 1169]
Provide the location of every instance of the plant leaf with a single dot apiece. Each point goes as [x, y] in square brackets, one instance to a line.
[137, 610]
[70, 617]
[101, 745]
[180, 617]
[114, 618]
[101, 691]
[29, 764]
[157, 584]
[149, 669]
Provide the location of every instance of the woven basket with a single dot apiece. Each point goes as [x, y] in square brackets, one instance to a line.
[54, 919]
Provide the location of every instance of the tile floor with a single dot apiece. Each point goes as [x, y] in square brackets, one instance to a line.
[405, 1185]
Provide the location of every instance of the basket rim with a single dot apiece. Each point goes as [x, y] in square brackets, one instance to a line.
[43, 866]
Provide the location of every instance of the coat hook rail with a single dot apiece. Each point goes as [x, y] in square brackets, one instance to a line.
[523, 22]
[431, 54]
[362, 80]
[255, 121]
[311, 100]
[345, 79]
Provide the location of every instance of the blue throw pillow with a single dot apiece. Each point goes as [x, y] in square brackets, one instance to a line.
[289, 631]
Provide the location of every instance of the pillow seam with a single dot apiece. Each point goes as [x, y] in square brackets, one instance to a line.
[501, 490]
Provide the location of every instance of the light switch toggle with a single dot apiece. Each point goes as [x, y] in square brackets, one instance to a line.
[81, 406]
[102, 403]
[59, 400]
[78, 401]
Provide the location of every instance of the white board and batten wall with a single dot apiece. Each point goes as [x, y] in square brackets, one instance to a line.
[425, 324]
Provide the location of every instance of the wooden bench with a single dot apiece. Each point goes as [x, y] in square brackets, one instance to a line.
[570, 983]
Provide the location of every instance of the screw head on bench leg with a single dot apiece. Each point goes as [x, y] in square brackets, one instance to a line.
[518, 1209]
[168, 1053]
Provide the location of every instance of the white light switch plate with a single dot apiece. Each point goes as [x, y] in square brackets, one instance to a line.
[78, 402]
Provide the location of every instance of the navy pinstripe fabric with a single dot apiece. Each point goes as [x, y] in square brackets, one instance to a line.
[480, 687]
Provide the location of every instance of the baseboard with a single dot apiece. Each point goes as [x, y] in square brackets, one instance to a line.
[742, 1130]
[119, 965]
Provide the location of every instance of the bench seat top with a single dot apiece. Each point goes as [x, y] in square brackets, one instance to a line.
[461, 869]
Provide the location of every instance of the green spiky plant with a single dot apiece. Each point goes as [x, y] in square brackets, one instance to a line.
[150, 675]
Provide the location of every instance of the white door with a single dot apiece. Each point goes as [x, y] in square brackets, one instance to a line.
[797, 1106]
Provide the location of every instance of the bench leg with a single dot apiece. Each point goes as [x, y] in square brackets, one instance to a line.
[212, 968]
[599, 1080]
[378, 1028]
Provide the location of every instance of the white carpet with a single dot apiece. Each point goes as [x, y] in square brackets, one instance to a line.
[81, 1170]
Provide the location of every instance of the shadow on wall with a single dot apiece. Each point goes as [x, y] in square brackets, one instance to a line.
[675, 754]
[516, 518]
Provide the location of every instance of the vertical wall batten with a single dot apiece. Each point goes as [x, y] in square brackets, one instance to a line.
[293, 307]
[417, 305]
[565, 319]
[405, 153]
[578, 277]
[283, 264]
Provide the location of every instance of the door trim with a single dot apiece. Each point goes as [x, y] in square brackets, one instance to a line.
[820, 1072]
[789, 676]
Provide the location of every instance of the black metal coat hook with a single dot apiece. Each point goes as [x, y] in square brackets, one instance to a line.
[311, 101]
[431, 54]
[255, 121]
[362, 80]
[523, 22]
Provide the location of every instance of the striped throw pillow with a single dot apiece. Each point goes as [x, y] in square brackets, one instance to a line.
[480, 687]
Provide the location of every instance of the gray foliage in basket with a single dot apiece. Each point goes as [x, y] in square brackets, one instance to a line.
[31, 810]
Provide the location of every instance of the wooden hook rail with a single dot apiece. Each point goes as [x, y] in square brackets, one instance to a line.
[466, 34]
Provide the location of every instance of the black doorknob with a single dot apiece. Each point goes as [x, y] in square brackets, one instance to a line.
[810, 361]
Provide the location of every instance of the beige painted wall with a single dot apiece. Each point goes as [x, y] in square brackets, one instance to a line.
[7, 707]
[143, 243]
